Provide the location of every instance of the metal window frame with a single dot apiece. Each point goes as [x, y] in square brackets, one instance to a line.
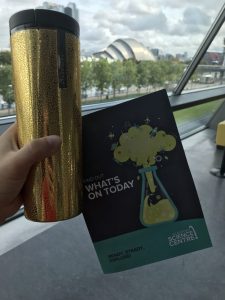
[215, 27]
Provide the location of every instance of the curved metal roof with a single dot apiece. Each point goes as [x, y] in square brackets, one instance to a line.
[127, 46]
[115, 52]
[122, 49]
[127, 53]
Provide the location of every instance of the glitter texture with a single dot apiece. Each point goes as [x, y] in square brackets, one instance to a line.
[54, 188]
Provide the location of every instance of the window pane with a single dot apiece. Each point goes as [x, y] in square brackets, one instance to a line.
[128, 48]
[191, 118]
[210, 71]
[172, 32]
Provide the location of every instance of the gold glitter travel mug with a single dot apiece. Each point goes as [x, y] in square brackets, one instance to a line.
[46, 80]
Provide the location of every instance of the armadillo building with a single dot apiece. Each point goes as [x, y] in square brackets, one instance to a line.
[123, 49]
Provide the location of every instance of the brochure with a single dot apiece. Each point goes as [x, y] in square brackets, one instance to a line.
[140, 201]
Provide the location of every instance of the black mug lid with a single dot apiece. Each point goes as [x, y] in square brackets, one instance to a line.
[43, 18]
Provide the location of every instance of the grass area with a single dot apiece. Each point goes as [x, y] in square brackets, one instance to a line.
[181, 116]
[196, 112]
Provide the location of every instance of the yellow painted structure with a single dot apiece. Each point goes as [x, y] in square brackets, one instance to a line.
[220, 134]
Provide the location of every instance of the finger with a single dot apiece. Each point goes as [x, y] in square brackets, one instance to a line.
[36, 151]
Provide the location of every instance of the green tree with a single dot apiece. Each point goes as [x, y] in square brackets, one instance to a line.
[116, 76]
[5, 58]
[86, 76]
[155, 74]
[142, 74]
[129, 73]
[9, 97]
[178, 70]
[102, 75]
[172, 70]
[5, 80]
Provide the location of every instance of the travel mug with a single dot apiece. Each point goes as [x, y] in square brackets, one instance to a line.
[46, 80]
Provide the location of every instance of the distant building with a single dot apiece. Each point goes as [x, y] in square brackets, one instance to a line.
[75, 12]
[70, 9]
[213, 58]
[123, 49]
[52, 6]
[182, 56]
[155, 52]
[168, 56]
[159, 54]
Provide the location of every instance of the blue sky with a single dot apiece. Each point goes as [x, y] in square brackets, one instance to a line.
[174, 26]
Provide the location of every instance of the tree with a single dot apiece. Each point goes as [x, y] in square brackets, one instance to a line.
[5, 58]
[142, 74]
[172, 70]
[116, 75]
[9, 96]
[155, 74]
[5, 80]
[86, 76]
[178, 70]
[129, 73]
[102, 75]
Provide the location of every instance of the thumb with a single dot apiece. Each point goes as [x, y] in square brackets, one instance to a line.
[37, 150]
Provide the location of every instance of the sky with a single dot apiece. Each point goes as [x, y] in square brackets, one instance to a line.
[173, 26]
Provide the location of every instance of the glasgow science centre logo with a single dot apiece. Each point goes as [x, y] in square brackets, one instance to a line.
[183, 236]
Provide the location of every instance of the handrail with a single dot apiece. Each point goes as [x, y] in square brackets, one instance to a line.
[197, 97]
[185, 100]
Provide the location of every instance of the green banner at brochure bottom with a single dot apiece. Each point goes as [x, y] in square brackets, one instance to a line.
[152, 244]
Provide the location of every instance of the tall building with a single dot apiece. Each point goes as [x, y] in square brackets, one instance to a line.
[75, 12]
[70, 9]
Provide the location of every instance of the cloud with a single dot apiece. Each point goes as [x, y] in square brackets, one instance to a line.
[95, 35]
[141, 7]
[194, 21]
[94, 39]
[177, 4]
[157, 22]
[8, 8]
[134, 20]
[165, 24]
[193, 15]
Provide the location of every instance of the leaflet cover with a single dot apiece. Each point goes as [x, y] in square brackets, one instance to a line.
[140, 201]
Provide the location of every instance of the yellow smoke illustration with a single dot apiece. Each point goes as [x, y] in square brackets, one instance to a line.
[141, 146]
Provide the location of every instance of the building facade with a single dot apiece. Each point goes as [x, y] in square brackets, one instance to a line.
[70, 9]
[123, 49]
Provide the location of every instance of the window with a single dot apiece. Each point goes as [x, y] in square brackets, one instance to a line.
[128, 48]
[198, 116]
[210, 71]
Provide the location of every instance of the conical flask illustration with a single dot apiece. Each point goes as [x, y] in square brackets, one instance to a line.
[141, 145]
[156, 204]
